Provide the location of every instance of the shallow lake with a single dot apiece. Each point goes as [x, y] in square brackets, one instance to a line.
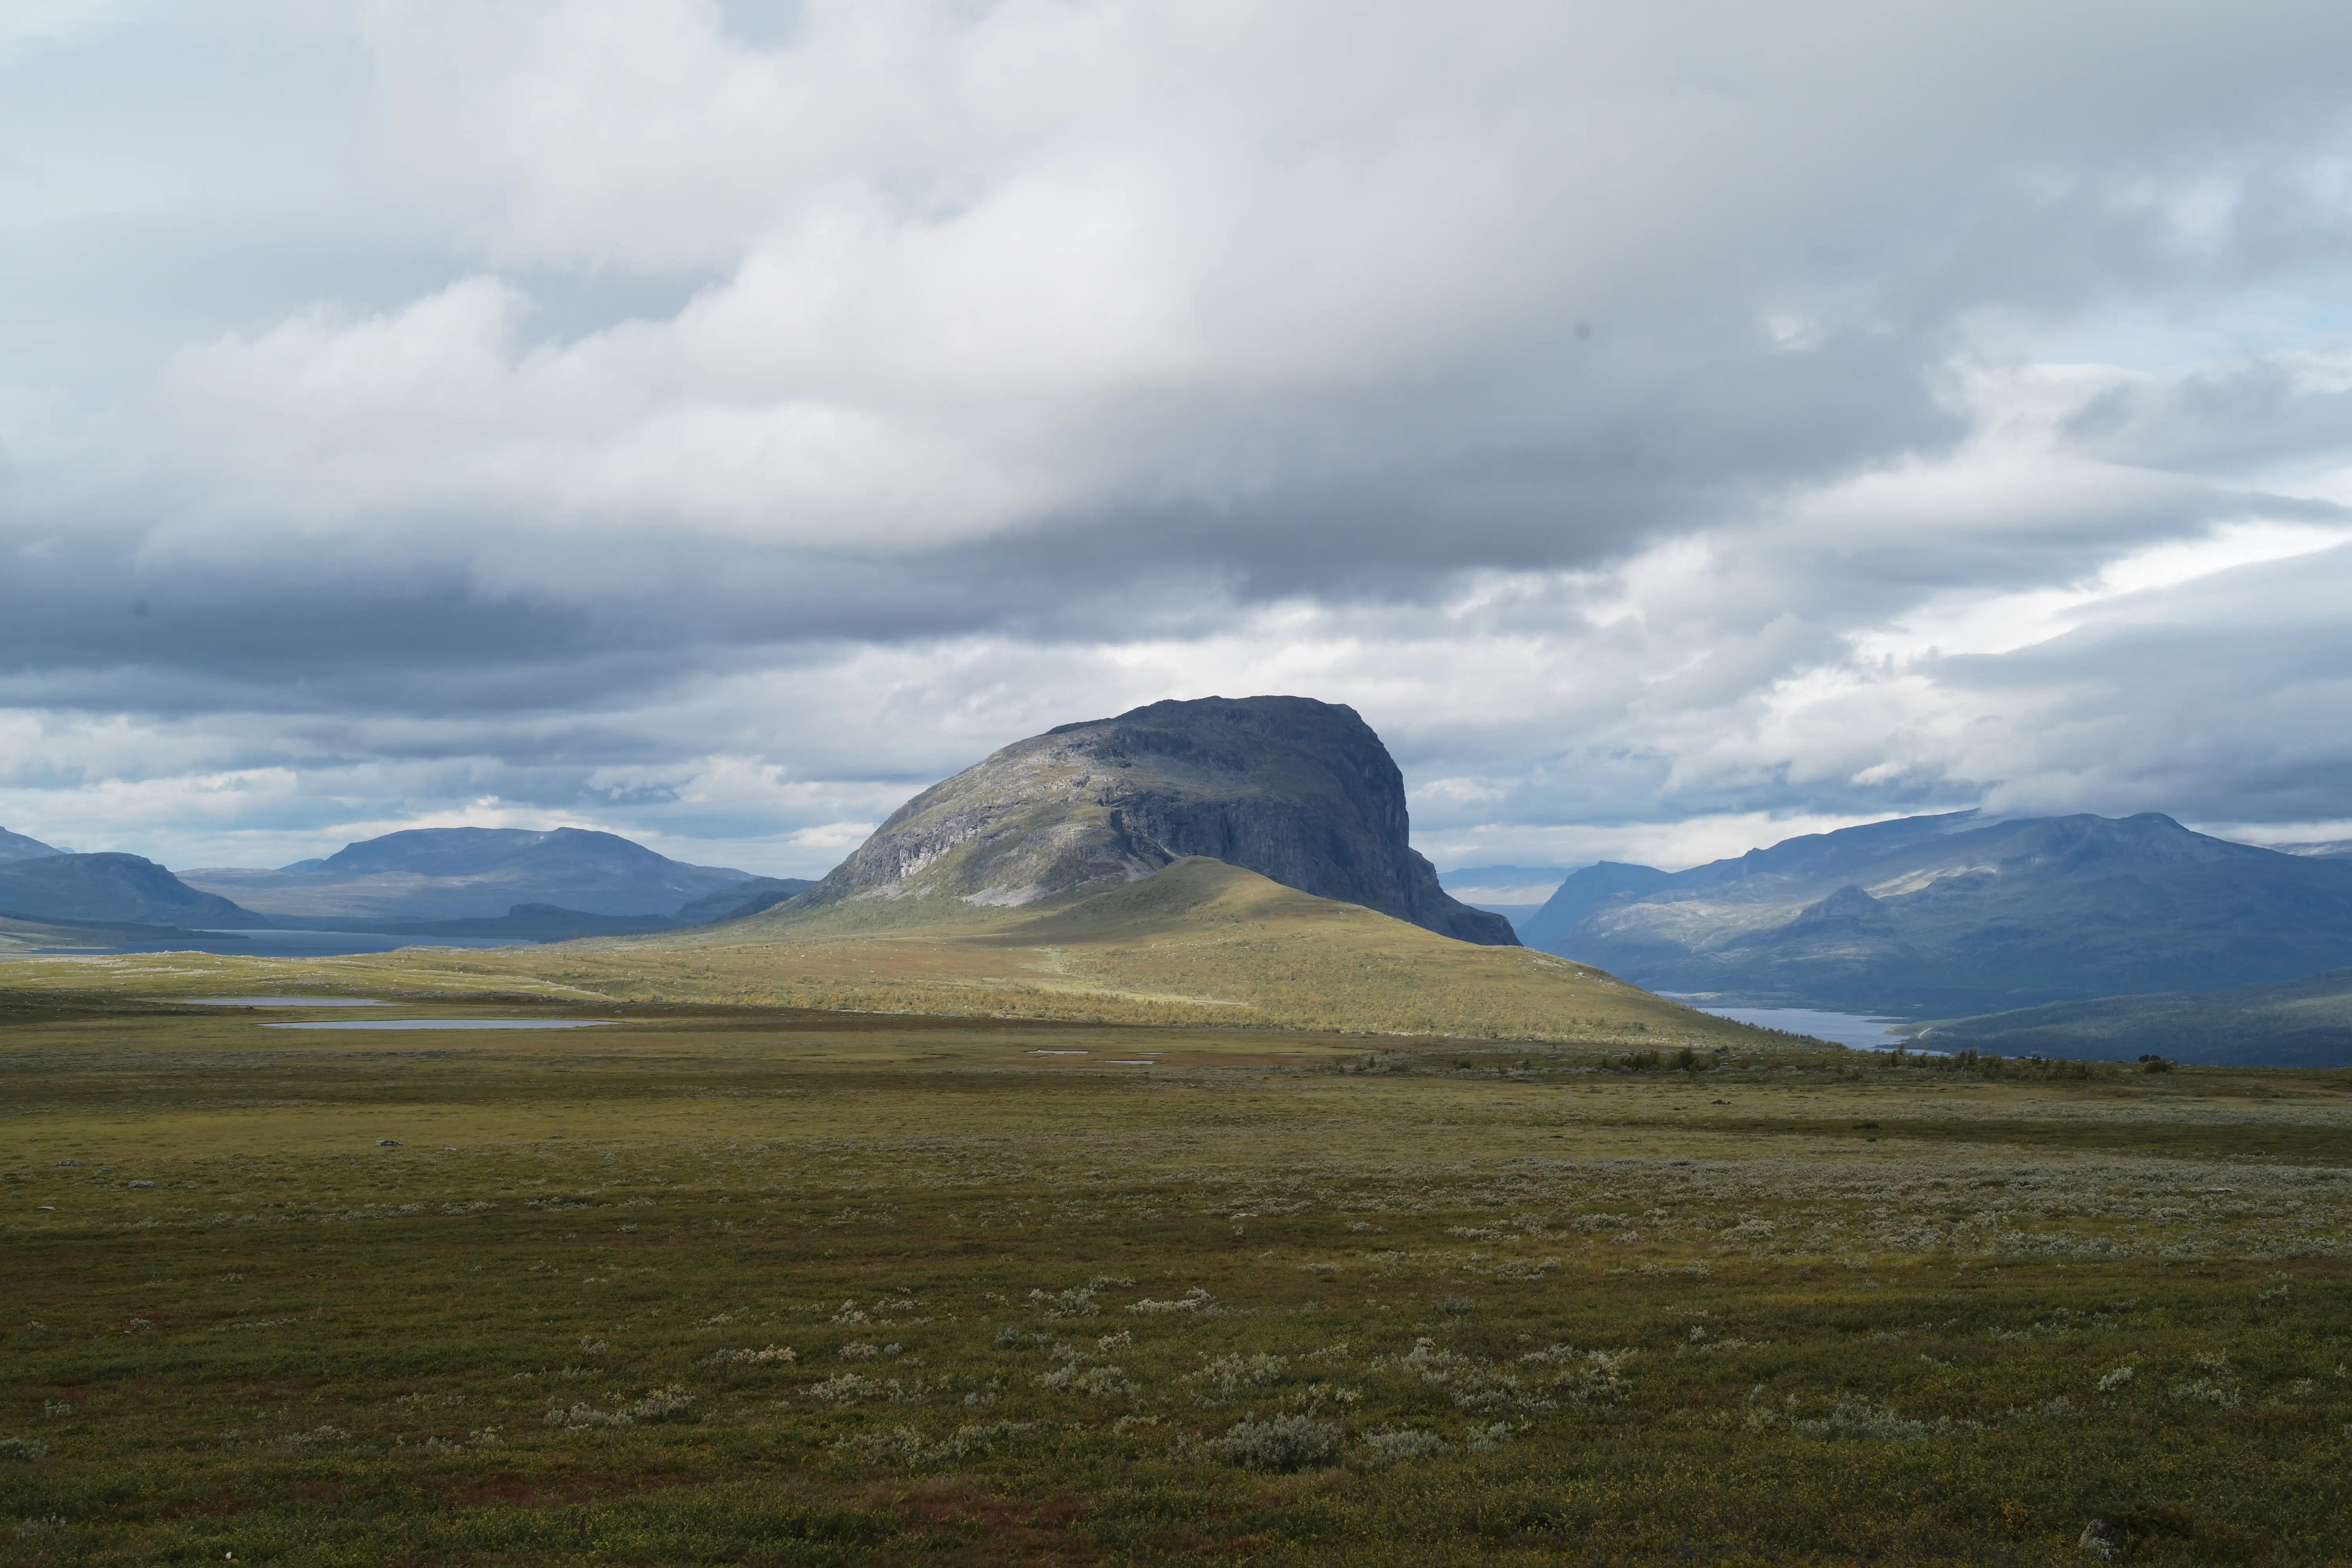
[1852, 1029]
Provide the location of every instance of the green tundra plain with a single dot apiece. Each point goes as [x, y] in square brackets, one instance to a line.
[740, 1283]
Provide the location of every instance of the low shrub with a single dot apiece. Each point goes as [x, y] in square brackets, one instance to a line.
[1284, 1444]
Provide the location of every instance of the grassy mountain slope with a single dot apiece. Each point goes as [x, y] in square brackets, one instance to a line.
[1198, 942]
[2303, 1023]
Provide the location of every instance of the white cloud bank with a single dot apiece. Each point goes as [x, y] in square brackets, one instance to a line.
[1670, 426]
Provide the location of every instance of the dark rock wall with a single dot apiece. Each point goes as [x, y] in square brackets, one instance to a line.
[1299, 791]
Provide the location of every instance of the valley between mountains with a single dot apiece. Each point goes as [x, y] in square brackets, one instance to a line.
[1249, 860]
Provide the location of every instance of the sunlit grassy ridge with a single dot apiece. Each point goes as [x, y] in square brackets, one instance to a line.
[1199, 942]
[735, 1285]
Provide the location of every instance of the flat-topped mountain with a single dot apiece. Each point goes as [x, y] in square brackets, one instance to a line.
[1943, 915]
[1300, 792]
[472, 873]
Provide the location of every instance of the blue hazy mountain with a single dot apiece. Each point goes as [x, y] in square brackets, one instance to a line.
[1941, 916]
[16, 847]
[115, 888]
[438, 874]
[1584, 891]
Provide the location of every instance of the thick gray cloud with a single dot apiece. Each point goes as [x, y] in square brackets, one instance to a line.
[1673, 428]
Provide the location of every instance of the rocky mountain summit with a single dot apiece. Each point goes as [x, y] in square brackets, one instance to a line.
[1299, 791]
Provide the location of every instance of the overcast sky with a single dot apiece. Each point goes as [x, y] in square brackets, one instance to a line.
[1674, 427]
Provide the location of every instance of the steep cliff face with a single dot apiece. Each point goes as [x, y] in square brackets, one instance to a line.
[1299, 791]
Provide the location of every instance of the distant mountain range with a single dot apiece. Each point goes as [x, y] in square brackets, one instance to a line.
[1296, 790]
[476, 873]
[423, 883]
[1941, 916]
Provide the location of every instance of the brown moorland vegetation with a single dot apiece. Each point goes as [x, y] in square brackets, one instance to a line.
[738, 1284]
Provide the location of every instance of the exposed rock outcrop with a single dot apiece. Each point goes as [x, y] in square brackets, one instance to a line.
[1299, 791]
